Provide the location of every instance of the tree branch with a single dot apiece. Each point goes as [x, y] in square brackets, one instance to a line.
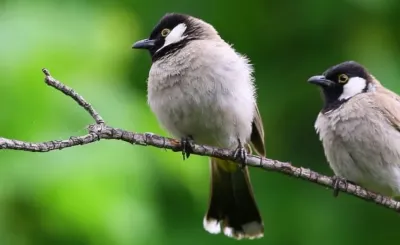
[100, 130]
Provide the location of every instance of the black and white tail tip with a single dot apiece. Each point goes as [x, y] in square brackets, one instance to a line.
[252, 230]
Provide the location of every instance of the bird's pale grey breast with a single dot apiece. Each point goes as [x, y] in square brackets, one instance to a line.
[361, 144]
[197, 90]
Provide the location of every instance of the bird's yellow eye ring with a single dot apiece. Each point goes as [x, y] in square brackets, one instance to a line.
[343, 78]
[165, 32]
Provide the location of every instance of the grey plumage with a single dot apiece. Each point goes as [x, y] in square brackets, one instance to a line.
[200, 87]
[360, 133]
[181, 91]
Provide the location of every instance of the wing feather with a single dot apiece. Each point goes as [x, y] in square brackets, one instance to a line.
[257, 133]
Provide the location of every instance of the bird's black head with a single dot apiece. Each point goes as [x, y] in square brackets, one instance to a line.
[171, 33]
[341, 82]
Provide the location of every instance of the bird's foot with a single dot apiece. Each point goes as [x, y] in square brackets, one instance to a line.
[336, 183]
[240, 154]
[187, 146]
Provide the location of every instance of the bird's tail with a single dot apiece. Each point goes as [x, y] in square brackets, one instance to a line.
[232, 205]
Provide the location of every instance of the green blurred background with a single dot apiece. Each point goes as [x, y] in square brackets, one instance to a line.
[111, 192]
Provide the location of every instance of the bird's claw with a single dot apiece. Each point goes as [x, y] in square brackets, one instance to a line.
[240, 154]
[187, 146]
[336, 183]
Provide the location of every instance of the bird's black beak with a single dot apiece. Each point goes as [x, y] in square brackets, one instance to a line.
[144, 44]
[321, 81]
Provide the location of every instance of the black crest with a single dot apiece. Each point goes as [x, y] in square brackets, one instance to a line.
[350, 68]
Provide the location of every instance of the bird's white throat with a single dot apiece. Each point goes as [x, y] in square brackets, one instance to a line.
[354, 86]
[175, 35]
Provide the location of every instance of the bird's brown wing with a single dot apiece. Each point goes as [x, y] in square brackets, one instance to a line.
[389, 104]
[257, 133]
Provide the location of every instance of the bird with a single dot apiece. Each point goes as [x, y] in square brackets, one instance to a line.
[359, 126]
[202, 91]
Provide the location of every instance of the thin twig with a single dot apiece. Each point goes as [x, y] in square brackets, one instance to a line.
[51, 81]
[101, 131]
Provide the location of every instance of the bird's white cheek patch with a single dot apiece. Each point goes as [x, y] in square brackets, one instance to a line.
[354, 86]
[175, 35]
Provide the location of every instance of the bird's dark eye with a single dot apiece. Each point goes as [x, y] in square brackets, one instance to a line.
[165, 32]
[343, 78]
